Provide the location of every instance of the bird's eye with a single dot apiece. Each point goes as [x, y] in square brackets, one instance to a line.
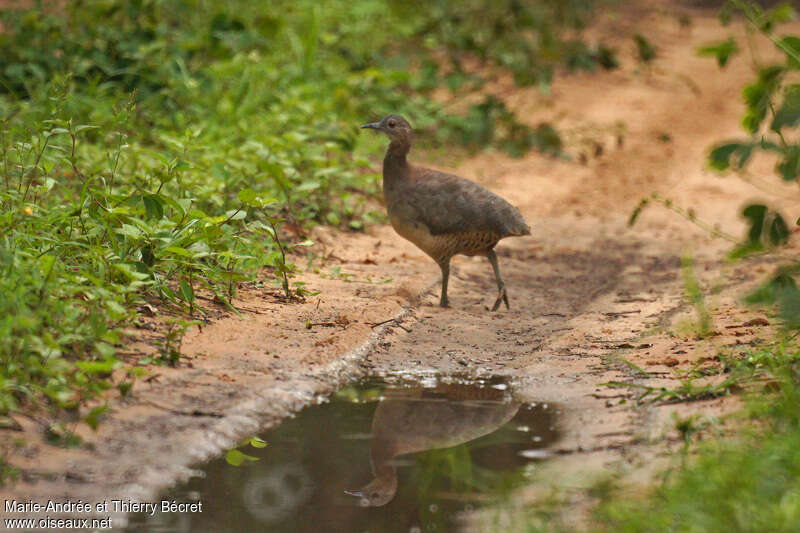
[392, 123]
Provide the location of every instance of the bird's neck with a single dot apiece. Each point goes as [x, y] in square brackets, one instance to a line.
[395, 165]
[384, 471]
[381, 450]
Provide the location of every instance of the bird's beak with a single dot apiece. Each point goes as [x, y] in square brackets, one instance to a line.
[371, 126]
[362, 500]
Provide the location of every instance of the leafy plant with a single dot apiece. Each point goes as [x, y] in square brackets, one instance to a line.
[645, 50]
[155, 154]
[236, 457]
[695, 295]
[170, 347]
[745, 483]
[772, 114]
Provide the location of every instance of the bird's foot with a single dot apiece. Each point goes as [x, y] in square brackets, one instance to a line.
[444, 302]
[501, 297]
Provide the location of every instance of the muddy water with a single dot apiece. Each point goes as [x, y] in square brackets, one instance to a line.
[378, 457]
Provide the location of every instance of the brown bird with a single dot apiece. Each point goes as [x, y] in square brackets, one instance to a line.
[444, 215]
[412, 421]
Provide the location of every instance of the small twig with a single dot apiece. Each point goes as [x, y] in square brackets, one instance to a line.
[765, 187]
[715, 232]
[309, 325]
[277, 240]
[612, 397]
[622, 313]
[397, 323]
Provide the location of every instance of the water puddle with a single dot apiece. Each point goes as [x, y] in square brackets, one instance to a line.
[396, 456]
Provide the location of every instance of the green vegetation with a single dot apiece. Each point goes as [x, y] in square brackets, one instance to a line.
[744, 478]
[236, 457]
[748, 483]
[156, 153]
[772, 113]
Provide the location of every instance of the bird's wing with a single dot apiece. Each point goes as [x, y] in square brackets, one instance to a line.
[450, 204]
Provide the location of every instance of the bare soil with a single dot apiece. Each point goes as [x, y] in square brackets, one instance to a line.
[592, 300]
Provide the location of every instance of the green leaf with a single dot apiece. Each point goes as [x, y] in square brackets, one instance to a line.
[129, 272]
[791, 47]
[546, 139]
[82, 127]
[789, 166]
[789, 305]
[236, 458]
[183, 252]
[124, 388]
[644, 48]
[788, 114]
[767, 227]
[130, 231]
[770, 292]
[735, 154]
[234, 215]
[256, 442]
[778, 231]
[104, 349]
[723, 51]
[102, 367]
[758, 96]
[606, 57]
[46, 264]
[247, 197]
[174, 204]
[638, 211]
[115, 308]
[187, 291]
[93, 418]
[755, 214]
[782, 290]
[781, 14]
[153, 207]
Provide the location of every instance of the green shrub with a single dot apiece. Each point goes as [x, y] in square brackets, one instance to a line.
[151, 151]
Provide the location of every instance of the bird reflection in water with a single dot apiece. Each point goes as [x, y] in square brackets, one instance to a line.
[408, 421]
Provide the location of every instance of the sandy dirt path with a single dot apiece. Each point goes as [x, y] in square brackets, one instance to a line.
[587, 292]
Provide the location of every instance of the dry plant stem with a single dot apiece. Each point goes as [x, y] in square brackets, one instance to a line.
[714, 232]
[705, 226]
[744, 8]
[283, 259]
[764, 187]
[396, 323]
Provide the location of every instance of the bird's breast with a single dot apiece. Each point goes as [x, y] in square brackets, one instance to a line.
[415, 232]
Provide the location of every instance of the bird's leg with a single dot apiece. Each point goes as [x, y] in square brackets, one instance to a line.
[501, 287]
[445, 266]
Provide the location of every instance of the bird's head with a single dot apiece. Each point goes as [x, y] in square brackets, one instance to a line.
[394, 126]
[377, 492]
